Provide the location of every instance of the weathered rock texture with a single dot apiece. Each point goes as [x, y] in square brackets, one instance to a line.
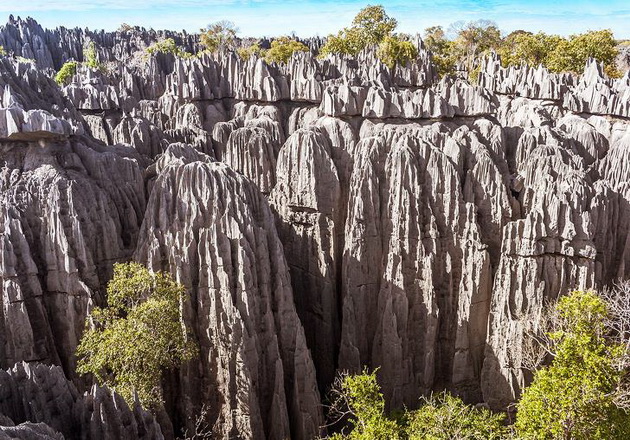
[325, 214]
[45, 404]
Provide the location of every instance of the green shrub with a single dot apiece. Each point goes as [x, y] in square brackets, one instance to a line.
[67, 71]
[218, 36]
[444, 417]
[282, 48]
[442, 50]
[167, 45]
[360, 397]
[247, 52]
[128, 344]
[560, 54]
[393, 50]
[369, 27]
[440, 417]
[574, 397]
[90, 56]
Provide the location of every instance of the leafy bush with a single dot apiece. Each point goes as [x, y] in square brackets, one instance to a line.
[67, 71]
[442, 50]
[360, 397]
[369, 27]
[282, 48]
[561, 54]
[219, 35]
[91, 57]
[167, 45]
[3, 52]
[127, 344]
[394, 50]
[254, 49]
[574, 397]
[440, 417]
[444, 417]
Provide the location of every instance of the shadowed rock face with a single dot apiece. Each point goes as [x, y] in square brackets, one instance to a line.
[214, 230]
[326, 214]
[46, 405]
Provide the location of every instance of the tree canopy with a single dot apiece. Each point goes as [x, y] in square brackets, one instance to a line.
[473, 40]
[372, 27]
[128, 344]
[219, 35]
[574, 397]
[560, 54]
[581, 393]
[440, 417]
[282, 48]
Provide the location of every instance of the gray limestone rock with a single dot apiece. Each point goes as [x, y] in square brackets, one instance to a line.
[324, 214]
[47, 405]
[214, 231]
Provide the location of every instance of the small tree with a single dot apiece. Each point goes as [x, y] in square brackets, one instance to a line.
[570, 55]
[219, 35]
[67, 71]
[282, 48]
[167, 45]
[574, 398]
[441, 49]
[369, 27]
[91, 57]
[394, 50]
[141, 332]
[446, 417]
[253, 49]
[359, 398]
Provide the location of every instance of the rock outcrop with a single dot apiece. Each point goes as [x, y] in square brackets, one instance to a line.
[325, 214]
[44, 404]
[213, 229]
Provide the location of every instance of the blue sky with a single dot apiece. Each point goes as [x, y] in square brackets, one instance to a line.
[310, 17]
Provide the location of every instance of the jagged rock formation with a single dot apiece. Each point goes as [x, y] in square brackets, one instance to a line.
[325, 214]
[213, 229]
[45, 404]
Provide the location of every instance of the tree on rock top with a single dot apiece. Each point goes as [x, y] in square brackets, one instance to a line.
[218, 36]
[282, 48]
[372, 27]
[141, 332]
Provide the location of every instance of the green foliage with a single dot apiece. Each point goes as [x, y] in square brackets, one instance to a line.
[373, 24]
[282, 48]
[253, 49]
[571, 55]
[66, 72]
[560, 54]
[90, 56]
[573, 398]
[167, 45]
[3, 52]
[366, 405]
[442, 50]
[444, 417]
[128, 344]
[394, 50]
[525, 47]
[369, 27]
[441, 417]
[218, 36]
[474, 38]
